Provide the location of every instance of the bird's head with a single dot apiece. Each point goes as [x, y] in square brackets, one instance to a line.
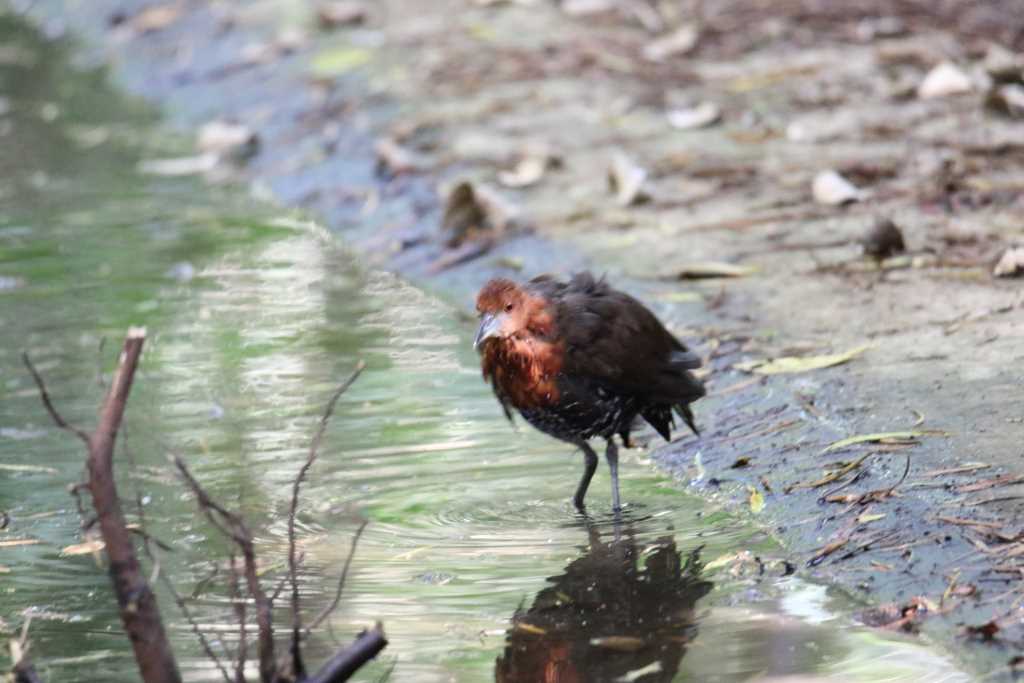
[507, 311]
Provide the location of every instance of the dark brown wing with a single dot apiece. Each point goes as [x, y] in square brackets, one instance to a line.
[613, 339]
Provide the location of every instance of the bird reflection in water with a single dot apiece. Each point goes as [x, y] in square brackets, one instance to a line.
[622, 612]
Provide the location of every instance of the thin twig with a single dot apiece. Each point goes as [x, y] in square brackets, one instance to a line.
[86, 520]
[150, 538]
[234, 527]
[298, 668]
[239, 604]
[283, 581]
[147, 546]
[225, 521]
[326, 612]
[193, 624]
[906, 471]
[58, 419]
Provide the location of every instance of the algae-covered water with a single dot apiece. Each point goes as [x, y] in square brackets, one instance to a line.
[473, 558]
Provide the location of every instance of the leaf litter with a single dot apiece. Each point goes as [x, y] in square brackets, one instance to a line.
[794, 364]
[627, 181]
[905, 437]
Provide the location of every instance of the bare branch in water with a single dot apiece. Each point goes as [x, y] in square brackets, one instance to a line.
[57, 418]
[326, 611]
[341, 666]
[243, 637]
[293, 572]
[139, 611]
[234, 527]
[140, 614]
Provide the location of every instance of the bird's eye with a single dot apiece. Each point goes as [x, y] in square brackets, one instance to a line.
[508, 307]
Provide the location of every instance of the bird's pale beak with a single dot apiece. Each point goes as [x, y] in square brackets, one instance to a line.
[490, 326]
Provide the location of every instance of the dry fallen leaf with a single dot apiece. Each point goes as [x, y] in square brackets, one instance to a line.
[626, 179]
[945, 79]
[865, 518]
[1002, 480]
[331, 15]
[86, 548]
[890, 437]
[704, 114]
[1011, 264]
[1007, 100]
[827, 550]
[14, 542]
[396, 159]
[756, 500]
[584, 8]
[228, 140]
[476, 212]
[1004, 66]
[839, 471]
[678, 42]
[833, 189]
[527, 172]
[791, 364]
[156, 17]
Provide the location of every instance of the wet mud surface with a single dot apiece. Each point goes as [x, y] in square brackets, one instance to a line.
[368, 128]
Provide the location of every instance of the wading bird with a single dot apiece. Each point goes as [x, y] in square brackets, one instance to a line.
[579, 360]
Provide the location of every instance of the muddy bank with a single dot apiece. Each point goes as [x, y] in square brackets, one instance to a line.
[720, 144]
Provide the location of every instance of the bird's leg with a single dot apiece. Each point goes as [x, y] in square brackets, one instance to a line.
[611, 454]
[589, 467]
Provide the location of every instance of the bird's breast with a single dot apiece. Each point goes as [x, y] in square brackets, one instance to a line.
[526, 374]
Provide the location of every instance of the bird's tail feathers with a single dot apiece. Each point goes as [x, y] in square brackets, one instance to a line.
[684, 412]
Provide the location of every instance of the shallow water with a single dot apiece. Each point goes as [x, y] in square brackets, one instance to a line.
[473, 559]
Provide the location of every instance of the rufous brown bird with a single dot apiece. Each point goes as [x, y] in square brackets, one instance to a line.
[580, 360]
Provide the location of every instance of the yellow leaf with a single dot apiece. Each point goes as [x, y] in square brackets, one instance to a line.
[866, 518]
[339, 60]
[881, 437]
[83, 548]
[482, 32]
[721, 561]
[756, 500]
[790, 364]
